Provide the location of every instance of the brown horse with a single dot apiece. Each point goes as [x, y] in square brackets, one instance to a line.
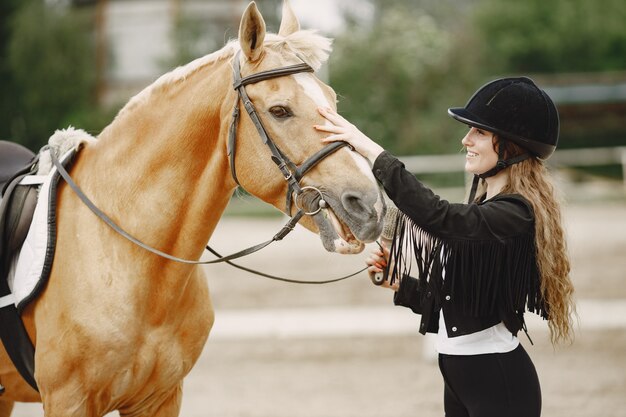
[117, 327]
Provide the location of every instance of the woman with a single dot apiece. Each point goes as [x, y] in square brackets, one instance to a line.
[481, 265]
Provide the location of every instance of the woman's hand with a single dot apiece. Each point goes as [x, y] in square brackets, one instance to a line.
[342, 130]
[377, 262]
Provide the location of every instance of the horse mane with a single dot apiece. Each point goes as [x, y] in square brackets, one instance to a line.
[311, 47]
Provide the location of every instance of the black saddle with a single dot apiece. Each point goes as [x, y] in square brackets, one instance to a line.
[14, 158]
[17, 206]
[18, 202]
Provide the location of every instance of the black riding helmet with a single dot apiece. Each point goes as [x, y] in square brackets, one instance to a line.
[516, 110]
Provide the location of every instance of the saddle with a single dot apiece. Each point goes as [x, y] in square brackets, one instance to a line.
[18, 202]
[17, 206]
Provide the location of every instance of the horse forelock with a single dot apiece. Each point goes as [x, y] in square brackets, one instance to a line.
[313, 48]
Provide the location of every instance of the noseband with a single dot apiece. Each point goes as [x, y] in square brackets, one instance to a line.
[291, 172]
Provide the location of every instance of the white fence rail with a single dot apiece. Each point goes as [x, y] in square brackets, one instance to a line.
[422, 164]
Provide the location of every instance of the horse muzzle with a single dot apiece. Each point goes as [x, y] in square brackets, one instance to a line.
[347, 222]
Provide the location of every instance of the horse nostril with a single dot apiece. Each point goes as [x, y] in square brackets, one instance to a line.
[352, 203]
[362, 217]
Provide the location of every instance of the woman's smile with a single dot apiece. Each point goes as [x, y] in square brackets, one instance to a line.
[481, 155]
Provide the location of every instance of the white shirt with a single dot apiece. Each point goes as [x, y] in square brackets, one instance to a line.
[495, 339]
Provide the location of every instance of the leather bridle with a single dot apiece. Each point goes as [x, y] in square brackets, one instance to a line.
[291, 172]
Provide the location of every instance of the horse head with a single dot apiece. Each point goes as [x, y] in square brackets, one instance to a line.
[286, 106]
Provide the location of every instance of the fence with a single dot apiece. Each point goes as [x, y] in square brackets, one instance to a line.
[422, 164]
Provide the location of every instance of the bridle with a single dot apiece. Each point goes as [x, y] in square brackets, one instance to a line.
[291, 172]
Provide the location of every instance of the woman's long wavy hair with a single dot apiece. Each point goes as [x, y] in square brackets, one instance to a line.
[531, 179]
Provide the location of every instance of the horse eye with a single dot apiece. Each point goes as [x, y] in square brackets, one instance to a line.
[280, 112]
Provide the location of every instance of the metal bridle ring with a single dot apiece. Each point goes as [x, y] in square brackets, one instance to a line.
[322, 202]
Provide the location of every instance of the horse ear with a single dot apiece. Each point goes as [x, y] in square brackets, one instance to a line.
[252, 32]
[289, 22]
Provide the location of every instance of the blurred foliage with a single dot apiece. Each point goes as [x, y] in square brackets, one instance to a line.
[538, 36]
[393, 77]
[193, 38]
[397, 76]
[8, 91]
[50, 59]
[396, 73]
[560, 37]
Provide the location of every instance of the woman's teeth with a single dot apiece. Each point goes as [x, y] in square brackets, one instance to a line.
[471, 154]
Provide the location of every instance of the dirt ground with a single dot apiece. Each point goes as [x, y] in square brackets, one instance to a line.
[350, 375]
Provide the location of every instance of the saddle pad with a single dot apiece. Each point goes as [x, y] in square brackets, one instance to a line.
[30, 270]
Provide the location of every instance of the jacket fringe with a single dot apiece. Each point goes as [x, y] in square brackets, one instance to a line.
[492, 275]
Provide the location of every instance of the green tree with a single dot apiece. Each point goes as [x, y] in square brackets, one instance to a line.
[538, 36]
[398, 73]
[556, 38]
[51, 61]
[193, 37]
[8, 92]
[397, 76]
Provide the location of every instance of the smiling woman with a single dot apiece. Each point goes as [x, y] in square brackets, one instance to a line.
[482, 155]
[481, 265]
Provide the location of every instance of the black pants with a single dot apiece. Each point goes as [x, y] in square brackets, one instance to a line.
[491, 385]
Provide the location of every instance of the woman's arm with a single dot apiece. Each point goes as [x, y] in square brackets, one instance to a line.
[500, 218]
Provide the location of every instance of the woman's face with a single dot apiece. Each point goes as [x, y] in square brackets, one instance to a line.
[481, 155]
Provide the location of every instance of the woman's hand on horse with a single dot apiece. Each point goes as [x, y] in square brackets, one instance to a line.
[343, 130]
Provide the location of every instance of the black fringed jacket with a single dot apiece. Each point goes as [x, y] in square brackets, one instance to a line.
[487, 251]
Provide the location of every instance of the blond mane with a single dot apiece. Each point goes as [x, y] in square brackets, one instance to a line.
[311, 47]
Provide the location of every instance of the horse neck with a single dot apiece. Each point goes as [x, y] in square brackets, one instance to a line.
[166, 163]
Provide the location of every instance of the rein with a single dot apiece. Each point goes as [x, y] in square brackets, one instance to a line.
[291, 172]
[102, 216]
[277, 278]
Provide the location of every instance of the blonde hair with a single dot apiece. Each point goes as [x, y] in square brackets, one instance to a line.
[531, 179]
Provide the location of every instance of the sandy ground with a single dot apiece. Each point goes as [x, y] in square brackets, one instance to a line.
[257, 373]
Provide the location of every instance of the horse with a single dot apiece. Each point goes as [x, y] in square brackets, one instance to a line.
[117, 327]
